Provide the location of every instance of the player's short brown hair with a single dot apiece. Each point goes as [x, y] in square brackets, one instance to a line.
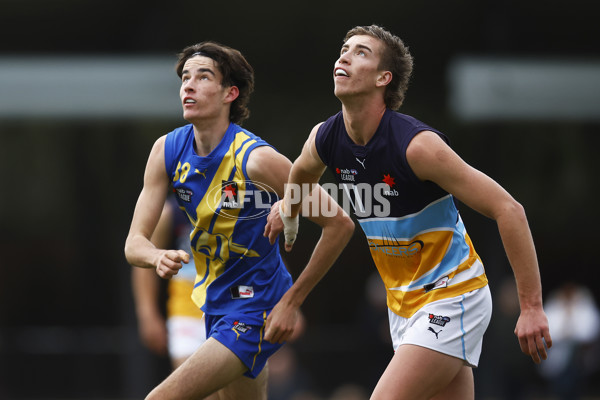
[395, 58]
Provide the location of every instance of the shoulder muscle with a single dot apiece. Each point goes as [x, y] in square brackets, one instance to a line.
[269, 167]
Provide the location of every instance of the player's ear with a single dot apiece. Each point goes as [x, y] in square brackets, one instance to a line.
[384, 78]
[231, 94]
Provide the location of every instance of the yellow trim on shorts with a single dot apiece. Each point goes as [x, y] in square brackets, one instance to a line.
[262, 331]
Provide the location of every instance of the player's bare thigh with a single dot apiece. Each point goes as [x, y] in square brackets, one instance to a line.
[211, 367]
[246, 388]
[418, 373]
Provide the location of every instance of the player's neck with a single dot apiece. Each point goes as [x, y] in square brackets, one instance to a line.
[208, 135]
[362, 120]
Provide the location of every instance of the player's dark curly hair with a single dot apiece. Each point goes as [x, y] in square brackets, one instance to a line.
[235, 69]
[395, 58]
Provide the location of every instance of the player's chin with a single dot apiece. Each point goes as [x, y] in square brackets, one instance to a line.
[341, 93]
[190, 115]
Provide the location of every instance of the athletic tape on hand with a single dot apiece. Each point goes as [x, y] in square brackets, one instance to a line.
[290, 226]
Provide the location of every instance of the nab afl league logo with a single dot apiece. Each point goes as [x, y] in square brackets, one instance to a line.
[184, 194]
[440, 320]
[347, 174]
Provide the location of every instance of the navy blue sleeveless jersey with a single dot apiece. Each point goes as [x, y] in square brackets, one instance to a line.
[415, 234]
[237, 269]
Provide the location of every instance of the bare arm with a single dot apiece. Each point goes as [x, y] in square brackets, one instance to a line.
[139, 250]
[307, 169]
[337, 231]
[431, 159]
[303, 178]
[145, 285]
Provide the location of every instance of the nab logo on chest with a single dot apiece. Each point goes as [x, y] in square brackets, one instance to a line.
[229, 195]
[390, 181]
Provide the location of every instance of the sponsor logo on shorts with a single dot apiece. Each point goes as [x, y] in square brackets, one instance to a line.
[436, 333]
[241, 327]
[438, 320]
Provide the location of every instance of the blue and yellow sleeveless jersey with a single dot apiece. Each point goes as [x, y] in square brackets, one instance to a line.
[237, 269]
[415, 234]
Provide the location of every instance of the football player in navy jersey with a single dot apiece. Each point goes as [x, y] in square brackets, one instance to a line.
[225, 179]
[439, 303]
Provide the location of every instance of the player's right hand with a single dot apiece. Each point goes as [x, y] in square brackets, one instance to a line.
[169, 263]
[281, 322]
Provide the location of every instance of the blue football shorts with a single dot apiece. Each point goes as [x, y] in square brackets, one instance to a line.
[243, 334]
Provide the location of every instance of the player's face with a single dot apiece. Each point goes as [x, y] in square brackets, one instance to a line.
[202, 95]
[356, 70]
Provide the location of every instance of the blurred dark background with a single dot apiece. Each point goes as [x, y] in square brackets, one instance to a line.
[71, 179]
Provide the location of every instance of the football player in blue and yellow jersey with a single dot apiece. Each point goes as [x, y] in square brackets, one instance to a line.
[225, 180]
[401, 179]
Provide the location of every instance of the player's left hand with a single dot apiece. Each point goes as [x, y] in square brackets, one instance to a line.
[534, 334]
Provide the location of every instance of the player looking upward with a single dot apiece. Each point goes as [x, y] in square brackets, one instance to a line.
[437, 293]
[223, 176]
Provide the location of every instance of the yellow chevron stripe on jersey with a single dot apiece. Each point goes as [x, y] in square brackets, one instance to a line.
[214, 247]
[227, 212]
